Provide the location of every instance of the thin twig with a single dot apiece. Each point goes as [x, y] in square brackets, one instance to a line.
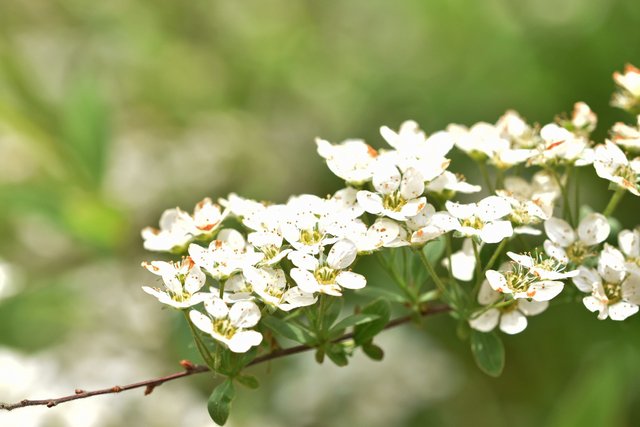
[191, 369]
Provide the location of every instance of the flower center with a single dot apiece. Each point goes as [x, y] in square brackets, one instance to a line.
[520, 215]
[627, 173]
[473, 222]
[613, 291]
[270, 251]
[325, 275]
[577, 252]
[224, 327]
[393, 201]
[180, 296]
[310, 237]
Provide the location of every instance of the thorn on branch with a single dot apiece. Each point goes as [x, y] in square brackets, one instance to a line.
[51, 404]
[79, 391]
[149, 389]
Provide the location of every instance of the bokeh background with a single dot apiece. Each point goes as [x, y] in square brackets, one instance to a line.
[112, 111]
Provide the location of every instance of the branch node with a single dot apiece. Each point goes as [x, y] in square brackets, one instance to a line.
[79, 391]
[51, 404]
[149, 389]
[187, 365]
[116, 389]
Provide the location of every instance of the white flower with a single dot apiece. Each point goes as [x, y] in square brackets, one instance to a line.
[541, 268]
[583, 119]
[174, 233]
[271, 285]
[543, 190]
[516, 130]
[353, 160]
[330, 276]
[628, 95]
[397, 195]
[612, 164]
[629, 242]
[484, 140]
[368, 239]
[449, 181]
[563, 243]
[182, 281]
[301, 225]
[523, 285]
[559, 145]
[512, 318]
[414, 150]
[229, 326]
[428, 225]
[207, 217]
[239, 206]
[615, 292]
[482, 219]
[178, 228]
[530, 278]
[627, 136]
[226, 255]
[524, 213]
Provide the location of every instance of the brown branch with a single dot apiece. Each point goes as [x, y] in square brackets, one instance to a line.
[191, 369]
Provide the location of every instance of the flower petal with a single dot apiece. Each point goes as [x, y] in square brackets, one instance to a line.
[594, 229]
[559, 231]
[513, 322]
[486, 321]
[350, 280]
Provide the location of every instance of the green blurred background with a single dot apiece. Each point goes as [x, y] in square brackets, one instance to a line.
[112, 111]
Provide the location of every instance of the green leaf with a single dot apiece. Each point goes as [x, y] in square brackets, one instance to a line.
[332, 312]
[248, 381]
[336, 353]
[288, 330]
[366, 331]
[488, 352]
[355, 319]
[431, 295]
[434, 249]
[219, 403]
[392, 295]
[373, 351]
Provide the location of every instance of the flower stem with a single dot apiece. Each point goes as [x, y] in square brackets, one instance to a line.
[566, 206]
[485, 176]
[476, 254]
[613, 202]
[202, 348]
[432, 272]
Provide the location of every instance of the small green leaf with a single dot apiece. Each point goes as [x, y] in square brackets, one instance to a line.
[365, 332]
[393, 295]
[220, 400]
[373, 351]
[248, 381]
[336, 353]
[287, 330]
[356, 319]
[488, 352]
[431, 295]
[434, 249]
[332, 311]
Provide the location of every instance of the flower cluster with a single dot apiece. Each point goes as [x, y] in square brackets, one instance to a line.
[265, 259]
